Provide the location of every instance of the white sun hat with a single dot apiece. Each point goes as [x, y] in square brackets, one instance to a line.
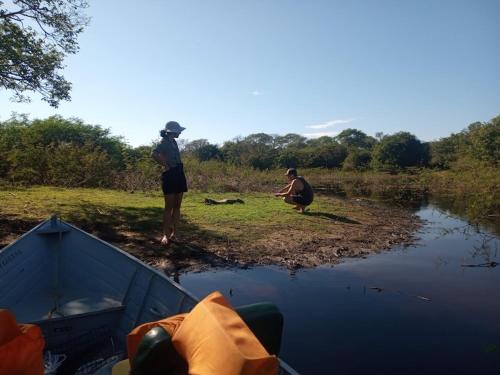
[173, 127]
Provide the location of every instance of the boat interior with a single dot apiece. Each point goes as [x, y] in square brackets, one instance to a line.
[57, 273]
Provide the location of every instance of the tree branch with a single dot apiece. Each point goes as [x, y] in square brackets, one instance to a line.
[10, 15]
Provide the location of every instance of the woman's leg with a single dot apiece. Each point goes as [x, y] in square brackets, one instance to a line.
[168, 218]
[288, 199]
[176, 213]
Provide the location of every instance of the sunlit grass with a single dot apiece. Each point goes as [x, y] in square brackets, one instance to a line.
[260, 214]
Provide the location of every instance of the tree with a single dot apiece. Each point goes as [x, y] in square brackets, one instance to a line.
[484, 141]
[289, 159]
[399, 150]
[202, 150]
[289, 140]
[58, 151]
[232, 151]
[192, 146]
[445, 151]
[353, 138]
[35, 36]
[357, 160]
[480, 141]
[260, 139]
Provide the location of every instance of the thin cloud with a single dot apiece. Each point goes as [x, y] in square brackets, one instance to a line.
[330, 123]
[321, 134]
[257, 93]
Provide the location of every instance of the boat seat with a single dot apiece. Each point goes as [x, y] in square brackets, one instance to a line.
[43, 304]
[156, 354]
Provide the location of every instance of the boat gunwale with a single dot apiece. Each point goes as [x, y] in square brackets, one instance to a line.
[138, 261]
[122, 252]
[2, 250]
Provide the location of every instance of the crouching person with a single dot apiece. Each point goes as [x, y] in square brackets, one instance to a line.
[297, 192]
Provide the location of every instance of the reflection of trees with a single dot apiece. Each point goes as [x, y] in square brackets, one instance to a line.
[476, 210]
[487, 249]
[412, 199]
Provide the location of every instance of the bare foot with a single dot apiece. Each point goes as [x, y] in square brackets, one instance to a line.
[165, 241]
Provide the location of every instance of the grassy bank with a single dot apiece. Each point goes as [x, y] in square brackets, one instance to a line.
[109, 212]
[141, 212]
[474, 184]
[263, 230]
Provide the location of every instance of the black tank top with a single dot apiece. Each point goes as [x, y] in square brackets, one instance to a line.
[307, 192]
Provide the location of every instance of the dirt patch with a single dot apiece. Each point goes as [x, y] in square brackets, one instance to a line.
[371, 229]
[12, 228]
[380, 228]
[315, 238]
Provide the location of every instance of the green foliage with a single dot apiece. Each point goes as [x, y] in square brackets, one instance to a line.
[484, 141]
[35, 36]
[445, 151]
[479, 142]
[202, 150]
[400, 150]
[353, 138]
[68, 152]
[59, 152]
[70, 164]
[325, 155]
[357, 160]
[289, 141]
[289, 159]
[264, 151]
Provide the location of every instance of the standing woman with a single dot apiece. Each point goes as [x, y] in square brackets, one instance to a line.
[173, 179]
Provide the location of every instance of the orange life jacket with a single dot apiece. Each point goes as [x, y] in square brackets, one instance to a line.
[213, 339]
[21, 347]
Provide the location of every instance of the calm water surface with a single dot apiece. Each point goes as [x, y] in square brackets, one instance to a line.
[412, 310]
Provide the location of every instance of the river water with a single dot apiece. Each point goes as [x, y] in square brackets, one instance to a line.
[413, 310]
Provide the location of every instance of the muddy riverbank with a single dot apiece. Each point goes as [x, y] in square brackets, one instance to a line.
[370, 228]
[261, 231]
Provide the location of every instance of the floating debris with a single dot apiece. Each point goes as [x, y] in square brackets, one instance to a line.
[423, 298]
[488, 264]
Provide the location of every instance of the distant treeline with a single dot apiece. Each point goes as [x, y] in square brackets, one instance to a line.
[354, 150]
[68, 152]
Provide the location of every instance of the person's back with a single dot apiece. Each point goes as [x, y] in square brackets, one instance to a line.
[306, 193]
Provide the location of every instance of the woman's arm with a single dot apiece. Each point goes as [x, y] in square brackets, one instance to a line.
[278, 194]
[285, 188]
[289, 190]
[160, 159]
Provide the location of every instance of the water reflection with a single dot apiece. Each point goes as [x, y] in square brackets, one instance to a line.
[475, 210]
[410, 310]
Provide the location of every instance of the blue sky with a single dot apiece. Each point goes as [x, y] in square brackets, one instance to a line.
[231, 68]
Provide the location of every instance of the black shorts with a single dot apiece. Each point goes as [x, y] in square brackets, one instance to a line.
[299, 199]
[173, 181]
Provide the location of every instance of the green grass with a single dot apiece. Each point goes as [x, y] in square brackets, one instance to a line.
[112, 213]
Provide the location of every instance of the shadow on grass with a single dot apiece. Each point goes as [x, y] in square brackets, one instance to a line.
[329, 216]
[138, 231]
[11, 228]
